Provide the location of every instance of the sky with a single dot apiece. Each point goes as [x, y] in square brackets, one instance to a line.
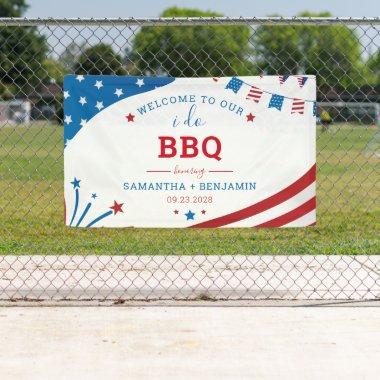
[152, 8]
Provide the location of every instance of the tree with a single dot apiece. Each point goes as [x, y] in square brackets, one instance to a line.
[22, 52]
[373, 65]
[333, 53]
[192, 51]
[99, 59]
[12, 8]
[54, 71]
[70, 56]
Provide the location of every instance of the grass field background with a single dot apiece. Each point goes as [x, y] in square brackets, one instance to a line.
[31, 204]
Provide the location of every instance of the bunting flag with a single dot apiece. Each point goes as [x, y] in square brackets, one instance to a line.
[276, 101]
[254, 94]
[301, 80]
[298, 106]
[283, 78]
[234, 84]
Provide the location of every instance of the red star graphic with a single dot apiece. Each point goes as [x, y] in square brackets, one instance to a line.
[176, 212]
[130, 117]
[250, 117]
[117, 207]
[203, 212]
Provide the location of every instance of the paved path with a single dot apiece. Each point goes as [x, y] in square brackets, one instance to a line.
[189, 343]
[189, 277]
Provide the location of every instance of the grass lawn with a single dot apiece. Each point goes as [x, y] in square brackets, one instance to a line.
[31, 205]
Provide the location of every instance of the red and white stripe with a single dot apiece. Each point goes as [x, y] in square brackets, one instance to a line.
[254, 94]
[293, 206]
[301, 80]
[298, 106]
[290, 211]
[283, 78]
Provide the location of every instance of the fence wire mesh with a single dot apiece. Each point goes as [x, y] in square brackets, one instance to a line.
[43, 259]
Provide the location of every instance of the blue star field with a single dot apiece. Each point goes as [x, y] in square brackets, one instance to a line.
[87, 95]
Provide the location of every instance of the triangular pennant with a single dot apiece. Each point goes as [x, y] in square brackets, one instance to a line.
[301, 80]
[283, 78]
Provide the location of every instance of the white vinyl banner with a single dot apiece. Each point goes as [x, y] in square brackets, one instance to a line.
[189, 152]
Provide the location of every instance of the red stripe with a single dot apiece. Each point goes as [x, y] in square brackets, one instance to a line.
[291, 215]
[307, 179]
[255, 94]
[298, 106]
[255, 98]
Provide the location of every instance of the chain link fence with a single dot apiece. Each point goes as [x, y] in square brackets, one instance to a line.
[43, 259]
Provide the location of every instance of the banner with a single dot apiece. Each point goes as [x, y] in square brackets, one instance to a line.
[189, 152]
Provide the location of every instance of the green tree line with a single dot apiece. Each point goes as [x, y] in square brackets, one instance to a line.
[333, 53]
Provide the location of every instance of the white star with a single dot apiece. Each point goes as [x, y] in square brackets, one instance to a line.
[118, 92]
[79, 78]
[83, 122]
[82, 100]
[66, 94]
[99, 105]
[98, 84]
[67, 143]
[140, 82]
[68, 119]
